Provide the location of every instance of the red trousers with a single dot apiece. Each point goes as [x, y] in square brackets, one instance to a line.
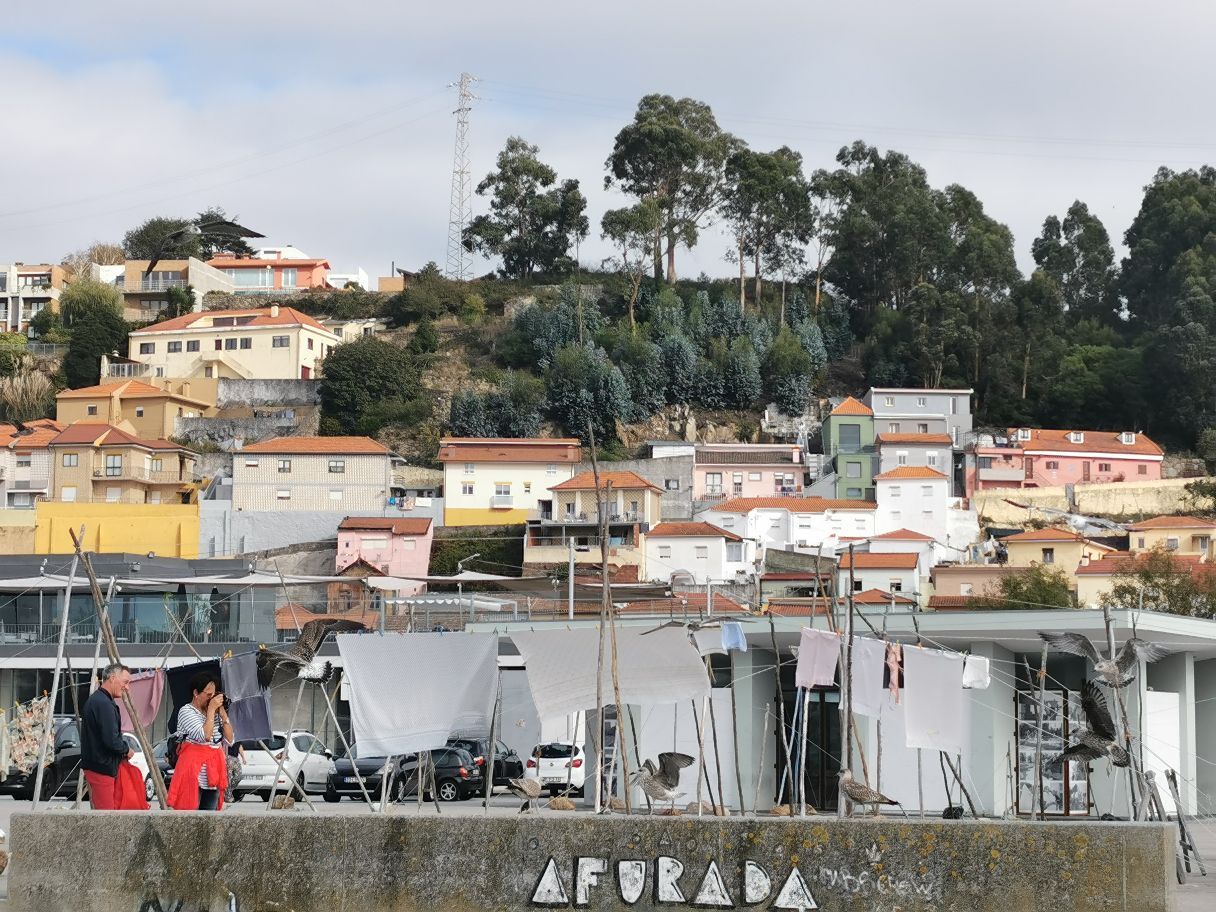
[124, 792]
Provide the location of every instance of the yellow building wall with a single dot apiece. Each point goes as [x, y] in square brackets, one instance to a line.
[1159, 538]
[17, 531]
[475, 516]
[166, 530]
[460, 509]
[1067, 554]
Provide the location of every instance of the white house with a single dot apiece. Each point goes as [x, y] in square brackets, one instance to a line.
[794, 523]
[707, 553]
[914, 498]
[890, 572]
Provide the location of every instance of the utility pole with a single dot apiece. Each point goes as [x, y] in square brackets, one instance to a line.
[570, 577]
[460, 212]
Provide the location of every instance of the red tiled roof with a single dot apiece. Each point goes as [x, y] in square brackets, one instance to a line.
[917, 439]
[412, 526]
[864, 560]
[89, 433]
[124, 389]
[1121, 561]
[911, 472]
[500, 449]
[795, 607]
[852, 406]
[792, 504]
[691, 530]
[1172, 522]
[620, 481]
[1046, 535]
[1094, 442]
[879, 597]
[38, 434]
[792, 575]
[948, 602]
[333, 446]
[287, 316]
[902, 535]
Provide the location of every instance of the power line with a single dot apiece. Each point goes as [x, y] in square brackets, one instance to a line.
[460, 210]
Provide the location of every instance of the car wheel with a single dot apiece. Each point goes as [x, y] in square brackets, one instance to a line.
[448, 790]
[49, 785]
[149, 790]
[554, 791]
[300, 784]
[264, 794]
[331, 795]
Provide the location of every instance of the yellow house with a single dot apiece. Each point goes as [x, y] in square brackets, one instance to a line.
[1184, 534]
[1061, 548]
[93, 462]
[265, 343]
[131, 405]
[1097, 578]
[489, 481]
[166, 530]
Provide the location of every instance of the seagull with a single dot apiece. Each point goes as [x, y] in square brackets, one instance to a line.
[528, 790]
[1099, 740]
[860, 793]
[219, 229]
[661, 782]
[1118, 671]
[302, 654]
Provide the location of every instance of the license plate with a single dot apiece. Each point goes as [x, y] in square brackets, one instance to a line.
[552, 780]
[351, 779]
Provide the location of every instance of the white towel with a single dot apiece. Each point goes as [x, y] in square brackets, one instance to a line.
[412, 691]
[818, 653]
[933, 699]
[975, 673]
[869, 660]
[653, 668]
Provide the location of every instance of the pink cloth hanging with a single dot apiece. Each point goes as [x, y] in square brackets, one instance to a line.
[146, 691]
[894, 652]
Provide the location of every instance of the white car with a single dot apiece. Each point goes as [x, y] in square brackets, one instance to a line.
[140, 762]
[305, 760]
[555, 764]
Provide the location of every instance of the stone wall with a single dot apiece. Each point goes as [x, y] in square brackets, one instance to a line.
[244, 430]
[1129, 500]
[124, 862]
[282, 393]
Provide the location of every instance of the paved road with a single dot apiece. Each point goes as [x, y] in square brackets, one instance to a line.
[1198, 894]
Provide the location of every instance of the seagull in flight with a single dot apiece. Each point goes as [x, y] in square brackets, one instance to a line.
[860, 793]
[1117, 671]
[302, 654]
[1099, 740]
[661, 781]
[218, 230]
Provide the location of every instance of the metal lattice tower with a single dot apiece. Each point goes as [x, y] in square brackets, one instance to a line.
[460, 213]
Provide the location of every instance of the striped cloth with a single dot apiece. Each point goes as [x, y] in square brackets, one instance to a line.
[190, 724]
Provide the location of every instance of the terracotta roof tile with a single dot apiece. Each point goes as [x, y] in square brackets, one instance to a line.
[1037, 535]
[955, 602]
[38, 434]
[402, 526]
[795, 607]
[881, 597]
[902, 535]
[620, 481]
[917, 439]
[287, 316]
[864, 560]
[852, 406]
[911, 472]
[1172, 522]
[792, 504]
[1122, 561]
[1094, 442]
[691, 530]
[88, 433]
[334, 446]
[125, 389]
[498, 449]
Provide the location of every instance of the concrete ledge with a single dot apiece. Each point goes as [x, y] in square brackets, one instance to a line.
[116, 862]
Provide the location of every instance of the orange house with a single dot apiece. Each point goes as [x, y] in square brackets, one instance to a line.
[250, 275]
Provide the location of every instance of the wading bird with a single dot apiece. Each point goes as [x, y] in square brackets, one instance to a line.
[527, 790]
[661, 782]
[860, 793]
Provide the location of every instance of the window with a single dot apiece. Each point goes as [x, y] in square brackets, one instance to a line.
[922, 429]
[284, 466]
[953, 405]
[931, 460]
[754, 476]
[337, 466]
[527, 487]
[1049, 555]
[921, 402]
[67, 493]
[965, 588]
[335, 493]
[23, 462]
[926, 490]
[219, 344]
[926, 516]
[375, 544]
[139, 411]
[92, 409]
[502, 489]
[113, 495]
[664, 552]
[850, 438]
[466, 488]
[208, 371]
[853, 492]
[409, 545]
[893, 427]
[1023, 433]
[469, 468]
[702, 552]
[1141, 469]
[157, 464]
[71, 460]
[113, 464]
[671, 484]
[857, 585]
[1127, 437]
[1103, 466]
[173, 347]
[1202, 542]
[985, 462]
[280, 342]
[1171, 544]
[1053, 465]
[283, 494]
[888, 401]
[894, 490]
[551, 469]
[1076, 436]
[229, 344]
[852, 470]
[901, 458]
[570, 510]
[895, 515]
[246, 342]
[1140, 542]
[774, 523]
[289, 277]
[895, 585]
[734, 551]
[310, 345]
[147, 348]
[192, 345]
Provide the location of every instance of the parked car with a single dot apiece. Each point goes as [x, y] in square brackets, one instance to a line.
[344, 780]
[555, 764]
[507, 764]
[306, 761]
[140, 762]
[61, 773]
[457, 777]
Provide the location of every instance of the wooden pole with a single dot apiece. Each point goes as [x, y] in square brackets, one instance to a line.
[349, 753]
[734, 728]
[92, 681]
[1133, 771]
[772, 629]
[493, 737]
[48, 730]
[713, 730]
[846, 682]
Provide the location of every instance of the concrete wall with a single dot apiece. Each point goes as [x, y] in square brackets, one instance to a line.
[376, 863]
[1205, 735]
[676, 504]
[17, 531]
[1130, 499]
[167, 530]
[243, 430]
[281, 393]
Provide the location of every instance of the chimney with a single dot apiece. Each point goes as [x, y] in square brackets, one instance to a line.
[274, 310]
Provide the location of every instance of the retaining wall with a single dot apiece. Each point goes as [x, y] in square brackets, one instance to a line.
[124, 862]
[1124, 499]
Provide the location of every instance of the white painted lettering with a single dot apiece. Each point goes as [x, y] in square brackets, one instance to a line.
[757, 885]
[549, 889]
[795, 894]
[631, 879]
[666, 876]
[587, 873]
[712, 892]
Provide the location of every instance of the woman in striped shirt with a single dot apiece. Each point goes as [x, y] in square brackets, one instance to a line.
[201, 773]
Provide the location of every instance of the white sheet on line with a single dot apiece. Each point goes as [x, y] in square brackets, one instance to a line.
[933, 699]
[412, 691]
[818, 653]
[653, 668]
[975, 673]
[869, 662]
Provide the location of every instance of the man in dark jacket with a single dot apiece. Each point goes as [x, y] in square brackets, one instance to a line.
[102, 746]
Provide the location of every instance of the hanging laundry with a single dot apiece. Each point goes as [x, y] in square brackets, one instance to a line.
[5, 752]
[709, 641]
[249, 708]
[146, 691]
[933, 699]
[976, 673]
[818, 653]
[866, 693]
[733, 637]
[894, 654]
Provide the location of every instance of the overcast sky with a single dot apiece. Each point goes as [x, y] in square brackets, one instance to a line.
[328, 125]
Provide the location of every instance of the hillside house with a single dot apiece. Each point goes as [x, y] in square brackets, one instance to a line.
[794, 523]
[1036, 458]
[726, 470]
[705, 552]
[144, 410]
[313, 473]
[1182, 534]
[392, 546]
[25, 462]
[96, 462]
[1060, 548]
[491, 481]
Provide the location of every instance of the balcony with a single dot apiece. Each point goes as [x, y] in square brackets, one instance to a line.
[155, 283]
[128, 370]
[502, 502]
[139, 473]
[266, 290]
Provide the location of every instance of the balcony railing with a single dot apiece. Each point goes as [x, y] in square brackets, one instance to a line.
[158, 284]
[139, 473]
[128, 370]
[124, 632]
[502, 502]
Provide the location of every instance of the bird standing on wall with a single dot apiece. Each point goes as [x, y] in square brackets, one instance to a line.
[1099, 740]
[528, 790]
[661, 781]
[302, 654]
[1117, 671]
[860, 793]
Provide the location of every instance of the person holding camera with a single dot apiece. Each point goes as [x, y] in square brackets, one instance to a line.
[200, 776]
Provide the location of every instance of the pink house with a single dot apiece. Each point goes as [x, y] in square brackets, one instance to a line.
[1038, 458]
[747, 470]
[395, 547]
[250, 275]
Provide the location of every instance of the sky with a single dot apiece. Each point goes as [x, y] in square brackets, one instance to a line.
[330, 127]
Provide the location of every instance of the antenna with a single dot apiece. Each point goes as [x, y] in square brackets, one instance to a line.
[460, 213]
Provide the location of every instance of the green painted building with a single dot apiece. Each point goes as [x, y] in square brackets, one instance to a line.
[848, 439]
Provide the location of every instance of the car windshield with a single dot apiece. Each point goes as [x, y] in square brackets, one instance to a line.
[553, 751]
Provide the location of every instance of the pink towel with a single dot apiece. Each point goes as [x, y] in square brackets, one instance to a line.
[894, 653]
[147, 689]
